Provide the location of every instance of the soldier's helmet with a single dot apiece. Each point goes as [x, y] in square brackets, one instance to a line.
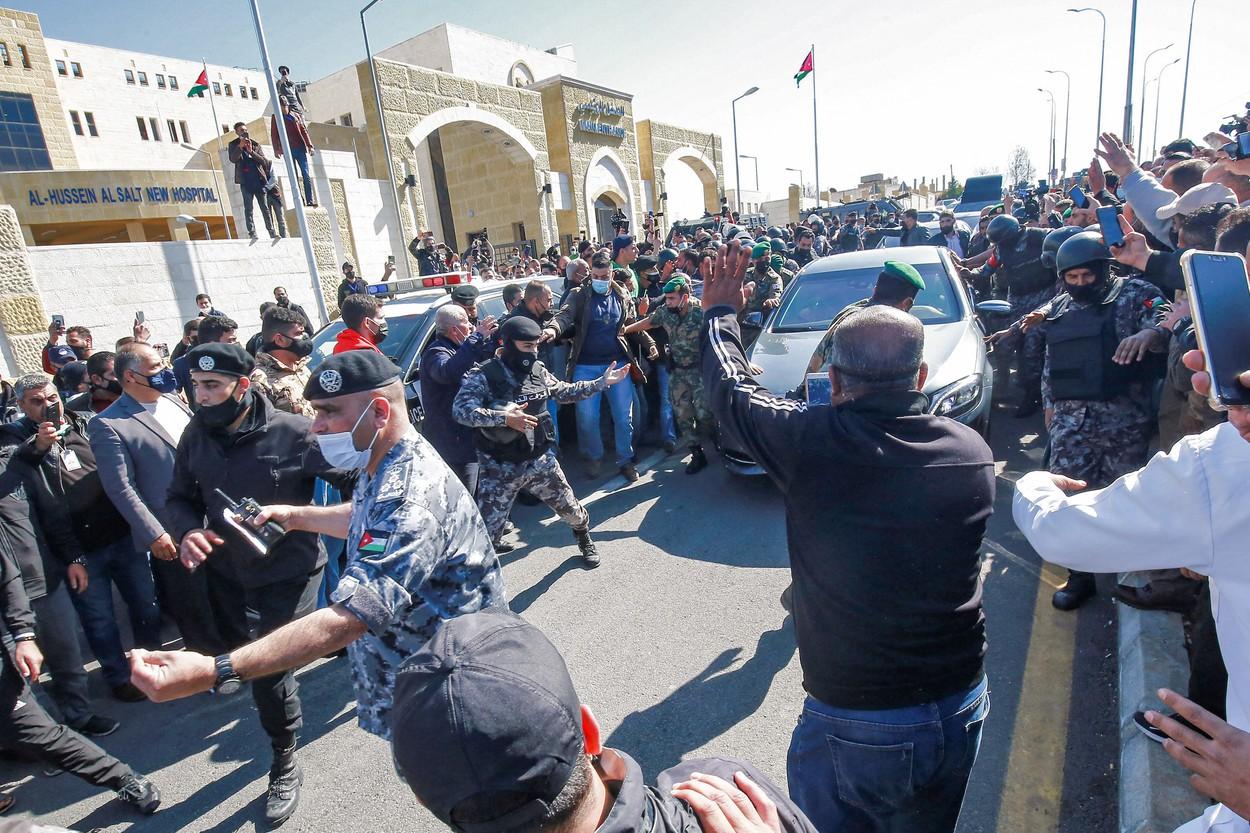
[1002, 229]
[1056, 239]
[1080, 250]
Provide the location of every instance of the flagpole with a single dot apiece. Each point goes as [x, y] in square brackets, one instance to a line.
[815, 135]
[212, 163]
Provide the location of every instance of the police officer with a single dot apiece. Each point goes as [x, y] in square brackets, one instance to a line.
[680, 317]
[240, 444]
[1103, 353]
[418, 552]
[505, 401]
[1017, 267]
[1050, 250]
[465, 295]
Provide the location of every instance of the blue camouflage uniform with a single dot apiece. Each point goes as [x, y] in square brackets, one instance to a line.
[418, 553]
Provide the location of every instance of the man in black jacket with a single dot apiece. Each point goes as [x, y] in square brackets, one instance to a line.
[238, 443]
[948, 235]
[54, 457]
[910, 233]
[882, 667]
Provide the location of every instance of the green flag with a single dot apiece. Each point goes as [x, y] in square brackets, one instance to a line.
[805, 70]
[200, 85]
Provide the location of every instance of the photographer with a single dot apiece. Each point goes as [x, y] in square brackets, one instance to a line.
[424, 249]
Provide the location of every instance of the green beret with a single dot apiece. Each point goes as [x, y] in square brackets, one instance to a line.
[1067, 212]
[777, 262]
[760, 250]
[903, 272]
[677, 283]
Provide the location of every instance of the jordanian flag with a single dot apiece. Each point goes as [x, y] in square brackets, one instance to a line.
[369, 544]
[201, 83]
[805, 70]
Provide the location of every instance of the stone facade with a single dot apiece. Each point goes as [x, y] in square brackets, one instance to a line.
[21, 29]
[324, 255]
[659, 142]
[23, 321]
[338, 198]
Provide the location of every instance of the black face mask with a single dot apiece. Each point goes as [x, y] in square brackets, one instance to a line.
[284, 301]
[380, 335]
[216, 417]
[518, 361]
[1089, 293]
[113, 386]
[302, 347]
[79, 352]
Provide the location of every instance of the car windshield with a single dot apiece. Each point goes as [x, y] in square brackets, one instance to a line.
[819, 296]
[400, 329]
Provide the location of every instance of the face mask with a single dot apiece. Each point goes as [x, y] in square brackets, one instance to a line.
[111, 385]
[79, 352]
[216, 417]
[164, 381]
[340, 450]
[600, 286]
[518, 361]
[379, 335]
[302, 347]
[1087, 294]
[284, 301]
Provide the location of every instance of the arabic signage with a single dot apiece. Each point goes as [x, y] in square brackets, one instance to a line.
[590, 114]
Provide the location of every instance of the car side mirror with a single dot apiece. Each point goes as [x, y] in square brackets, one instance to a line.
[994, 307]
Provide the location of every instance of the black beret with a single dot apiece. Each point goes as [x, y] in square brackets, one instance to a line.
[520, 328]
[645, 263]
[350, 372]
[219, 357]
[465, 293]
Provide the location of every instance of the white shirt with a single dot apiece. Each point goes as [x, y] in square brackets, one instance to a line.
[169, 416]
[1186, 508]
[954, 244]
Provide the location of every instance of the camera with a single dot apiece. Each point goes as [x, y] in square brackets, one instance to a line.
[1239, 148]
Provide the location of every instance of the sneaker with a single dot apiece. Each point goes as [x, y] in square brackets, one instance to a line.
[283, 797]
[629, 473]
[138, 791]
[1156, 734]
[128, 693]
[97, 726]
[504, 546]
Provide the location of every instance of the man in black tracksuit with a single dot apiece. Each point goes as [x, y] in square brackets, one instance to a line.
[239, 443]
[886, 506]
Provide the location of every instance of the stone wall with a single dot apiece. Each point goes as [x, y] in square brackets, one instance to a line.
[39, 82]
[23, 321]
[488, 187]
[658, 142]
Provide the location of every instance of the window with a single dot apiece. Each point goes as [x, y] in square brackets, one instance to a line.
[25, 56]
[75, 68]
[254, 95]
[160, 80]
[346, 119]
[173, 130]
[22, 146]
[216, 88]
[186, 134]
[228, 91]
[130, 76]
[61, 69]
[143, 79]
[143, 128]
[156, 130]
[91, 124]
[242, 91]
[173, 82]
[73, 117]
[4, 55]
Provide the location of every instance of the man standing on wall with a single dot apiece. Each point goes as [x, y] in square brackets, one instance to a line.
[251, 173]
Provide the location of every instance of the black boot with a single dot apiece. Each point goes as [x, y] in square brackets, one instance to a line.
[1079, 588]
[285, 779]
[1030, 403]
[698, 460]
[589, 554]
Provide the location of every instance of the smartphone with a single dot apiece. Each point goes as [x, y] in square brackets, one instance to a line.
[390, 258]
[162, 349]
[1109, 222]
[138, 316]
[58, 321]
[1078, 197]
[1219, 298]
[52, 413]
[819, 389]
[1055, 220]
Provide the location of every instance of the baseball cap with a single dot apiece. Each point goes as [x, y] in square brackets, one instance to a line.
[1203, 194]
[492, 695]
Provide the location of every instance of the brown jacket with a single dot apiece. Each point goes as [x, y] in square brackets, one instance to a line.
[258, 156]
[574, 317]
[296, 134]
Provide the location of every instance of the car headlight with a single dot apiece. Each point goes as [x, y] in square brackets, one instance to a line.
[957, 398]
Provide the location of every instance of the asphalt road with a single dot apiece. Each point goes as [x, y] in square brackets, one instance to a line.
[680, 647]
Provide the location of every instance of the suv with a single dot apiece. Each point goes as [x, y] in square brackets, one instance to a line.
[410, 312]
[979, 192]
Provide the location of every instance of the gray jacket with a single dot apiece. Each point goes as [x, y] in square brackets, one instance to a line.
[1146, 196]
[135, 458]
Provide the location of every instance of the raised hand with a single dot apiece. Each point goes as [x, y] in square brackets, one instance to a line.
[723, 279]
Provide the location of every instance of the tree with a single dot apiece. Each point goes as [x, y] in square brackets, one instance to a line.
[1020, 168]
[953, 191]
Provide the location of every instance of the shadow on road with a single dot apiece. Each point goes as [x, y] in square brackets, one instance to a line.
[706, 706]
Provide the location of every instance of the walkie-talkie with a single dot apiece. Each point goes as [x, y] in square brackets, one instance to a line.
[264, 537]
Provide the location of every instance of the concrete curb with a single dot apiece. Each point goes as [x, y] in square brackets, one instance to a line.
[1155, 795]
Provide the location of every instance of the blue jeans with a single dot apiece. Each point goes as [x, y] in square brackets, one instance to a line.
[118, 564]
[620, 400]
[326, 495]
[892, 771]
[300, 157]
[668, 426]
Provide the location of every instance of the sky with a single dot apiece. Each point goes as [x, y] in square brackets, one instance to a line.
[904, 88]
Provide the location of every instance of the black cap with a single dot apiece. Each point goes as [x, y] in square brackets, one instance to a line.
[645, 263]
[492, 695]
[520, 328]
[350, 372]
[220, 357]
[465, 293]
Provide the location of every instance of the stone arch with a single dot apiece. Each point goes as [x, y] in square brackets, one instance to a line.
[703, 169]
[607, 174]
[522, 149]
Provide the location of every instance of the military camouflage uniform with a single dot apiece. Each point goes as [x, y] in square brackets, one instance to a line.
[685, 387]
[499, 481]
[1031, 345]
[767, 285]
[822, 356]
[283, 386]
[418, 553]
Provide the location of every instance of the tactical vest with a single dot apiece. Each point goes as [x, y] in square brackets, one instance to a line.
[507, 444]
[1081, 343]
[1023, 268]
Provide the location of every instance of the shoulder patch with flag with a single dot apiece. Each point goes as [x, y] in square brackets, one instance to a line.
[200, 85]
[805, 70]
[373, 541]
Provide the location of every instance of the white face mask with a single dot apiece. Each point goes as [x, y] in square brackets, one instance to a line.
[340, 450]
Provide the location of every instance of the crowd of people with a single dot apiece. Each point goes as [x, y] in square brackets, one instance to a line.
[126, 470]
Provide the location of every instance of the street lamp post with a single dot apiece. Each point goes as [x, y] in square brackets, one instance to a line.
[756, 160]
[386, 141]
[1154, 149]
[799, 171]
[1128, 89]
[1141, 126]
[213, 166]
[1067, 114]
[185, 219]
[1180, 132]
[1051, 96]
[733, 105]
[1102, 64]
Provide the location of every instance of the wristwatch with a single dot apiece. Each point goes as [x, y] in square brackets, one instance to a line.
[228, 681]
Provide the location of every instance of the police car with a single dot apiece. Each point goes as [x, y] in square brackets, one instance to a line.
[410, 306]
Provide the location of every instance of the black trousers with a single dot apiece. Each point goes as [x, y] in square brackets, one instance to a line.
[183, 594]
[1208, 678]
[467, 473]
[26, 727]
[276, 696]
